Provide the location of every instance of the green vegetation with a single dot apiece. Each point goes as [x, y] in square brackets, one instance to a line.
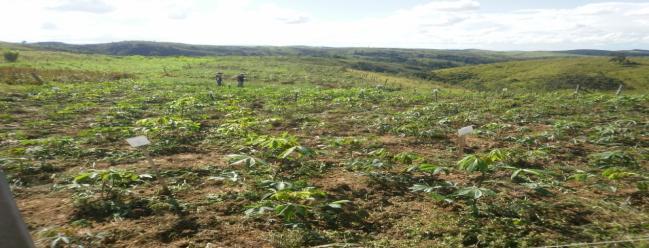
[314, 152]
[593, 73]
[401, 61]
[10, 56]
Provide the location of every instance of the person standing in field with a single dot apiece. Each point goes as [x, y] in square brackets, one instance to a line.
[219, 79]
[240, 79]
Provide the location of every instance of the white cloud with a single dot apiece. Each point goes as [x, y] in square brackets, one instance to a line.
[446, 5]
[437, 24]
[639, 12]
[179, 14]
[48, 26]
[91, 6]
[293, 20]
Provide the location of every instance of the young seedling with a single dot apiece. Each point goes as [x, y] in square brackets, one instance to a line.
[473, 195]
[141, 141]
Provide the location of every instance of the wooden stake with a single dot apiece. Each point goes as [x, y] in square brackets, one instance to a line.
[38, 79]
[140, 142]
[619, 90]
[461, 142]
[156, 170]
[435, 91]
[461, 138]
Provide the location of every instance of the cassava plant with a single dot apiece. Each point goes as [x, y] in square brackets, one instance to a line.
[483, 163]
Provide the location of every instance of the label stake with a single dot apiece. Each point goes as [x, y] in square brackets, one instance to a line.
[461, 138]
[139, 142]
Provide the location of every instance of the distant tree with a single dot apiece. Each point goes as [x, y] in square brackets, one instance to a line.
[621, 59]
[11, 56]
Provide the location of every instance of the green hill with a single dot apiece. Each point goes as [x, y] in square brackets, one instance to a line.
[470, 68]
[393, 60]
[550, 74]
[402, 62]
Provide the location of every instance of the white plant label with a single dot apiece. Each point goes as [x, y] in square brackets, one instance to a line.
[138, 141]
[465, 131]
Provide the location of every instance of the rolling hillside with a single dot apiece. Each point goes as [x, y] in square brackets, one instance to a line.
[473, 69]
[550, 74]
[392, 60]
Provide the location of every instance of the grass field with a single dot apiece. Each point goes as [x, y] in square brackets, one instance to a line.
[312, 152]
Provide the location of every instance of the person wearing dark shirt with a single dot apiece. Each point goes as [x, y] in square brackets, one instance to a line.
[240, 79]
[219, 79]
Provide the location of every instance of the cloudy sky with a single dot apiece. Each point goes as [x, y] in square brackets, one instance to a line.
[482, 24]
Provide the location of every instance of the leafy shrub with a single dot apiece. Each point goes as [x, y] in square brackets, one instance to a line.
[612, 159]
[617, 173]
[437, 191]
[284, 146]
[186, 106]
[173, 134]
[299, 205]
[11, 56]
[52, 147]
[428, 168]
[570, 128]
[27, 172]
[483, 163]
[406, 157]
[618, 132]
[103, 193]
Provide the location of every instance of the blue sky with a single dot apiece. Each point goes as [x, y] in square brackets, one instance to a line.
[441, 24]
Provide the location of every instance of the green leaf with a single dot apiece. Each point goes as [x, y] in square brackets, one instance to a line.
[288, 152]
[338, 204]
[237, 159]
[433, 169]
[438, 197]
[82, 178]
[473, 163]
[474, 192]
[617, 173]
[257, 211]
[422, 188]
[515, 174]
[498, 155]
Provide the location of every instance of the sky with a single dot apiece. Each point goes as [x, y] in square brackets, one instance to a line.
[436, 24]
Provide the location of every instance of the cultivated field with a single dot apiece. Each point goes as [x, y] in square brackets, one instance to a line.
[312, 152]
